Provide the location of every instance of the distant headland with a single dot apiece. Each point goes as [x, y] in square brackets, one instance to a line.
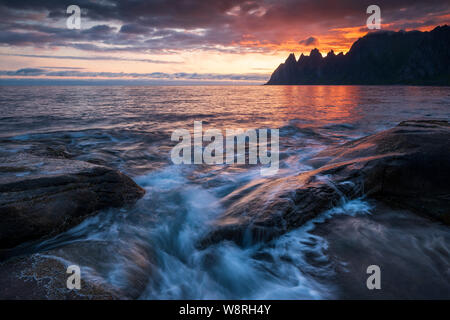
[378, 58]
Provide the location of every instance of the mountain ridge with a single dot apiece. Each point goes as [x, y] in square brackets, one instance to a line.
[378, 58]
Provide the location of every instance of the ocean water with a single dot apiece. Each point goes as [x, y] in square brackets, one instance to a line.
[149, 250]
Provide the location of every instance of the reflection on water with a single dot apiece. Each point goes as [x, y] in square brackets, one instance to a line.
[149, 250]
[129, 127]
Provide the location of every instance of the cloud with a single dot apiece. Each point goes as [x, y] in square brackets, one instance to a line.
[115, 82]
[311, 41]
[63, 68]
[133, 29]
[219, 25]
[94, 58]
[24, 72]
[31, 72]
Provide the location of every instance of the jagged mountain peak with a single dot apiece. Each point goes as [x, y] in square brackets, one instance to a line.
[315, 53]
[290, 59]
[331, 54]
[380, 57]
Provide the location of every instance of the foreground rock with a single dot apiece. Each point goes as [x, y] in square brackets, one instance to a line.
[109, 270]
[407, 166]
[41, 197]
[411, 251]
[40, 276]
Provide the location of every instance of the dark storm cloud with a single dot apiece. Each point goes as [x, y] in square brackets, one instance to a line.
[158, 25]
[24, 39]
[133, 29]
[311, 41]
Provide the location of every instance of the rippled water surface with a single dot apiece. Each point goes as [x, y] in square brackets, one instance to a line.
[149, 250]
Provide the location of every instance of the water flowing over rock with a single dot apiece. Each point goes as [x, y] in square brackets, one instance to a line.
[379, 58]
[41, 197]
[407, 166]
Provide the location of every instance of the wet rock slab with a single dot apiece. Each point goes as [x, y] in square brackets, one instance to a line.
[412, 252]
[40, 276]
[41, 197]
[407, 166]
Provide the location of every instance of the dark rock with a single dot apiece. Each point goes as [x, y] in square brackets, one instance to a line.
[395, 240]
[286, 72]
[40, 197]
[271, 208]
[41, 276]
[382, 57]
[406, 166]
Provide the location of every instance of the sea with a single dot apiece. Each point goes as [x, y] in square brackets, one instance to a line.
[150, 250]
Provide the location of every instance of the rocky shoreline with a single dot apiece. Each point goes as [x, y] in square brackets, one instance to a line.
[44, 195]
[407, 166]
[41, 196]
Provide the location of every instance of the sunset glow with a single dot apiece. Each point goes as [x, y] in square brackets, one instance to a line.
[238, 41]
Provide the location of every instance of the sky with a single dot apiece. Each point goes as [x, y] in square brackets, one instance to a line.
[186, 41]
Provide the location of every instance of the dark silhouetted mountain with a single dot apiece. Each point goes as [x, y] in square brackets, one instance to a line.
[378, 58]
